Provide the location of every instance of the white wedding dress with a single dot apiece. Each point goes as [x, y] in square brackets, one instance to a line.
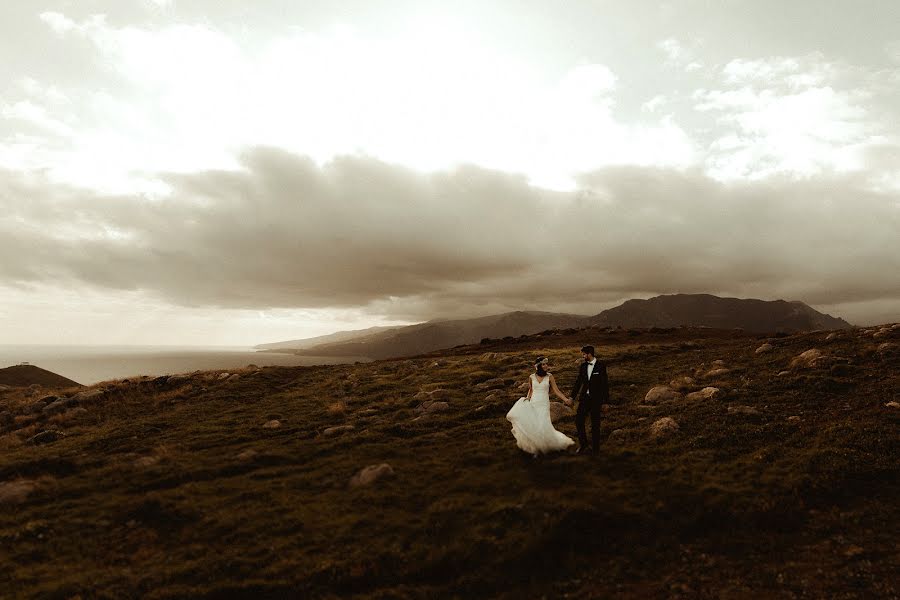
[531, 424]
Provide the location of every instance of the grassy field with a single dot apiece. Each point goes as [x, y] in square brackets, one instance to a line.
[779, 486]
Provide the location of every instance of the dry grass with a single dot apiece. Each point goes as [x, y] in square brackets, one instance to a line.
[164, 492]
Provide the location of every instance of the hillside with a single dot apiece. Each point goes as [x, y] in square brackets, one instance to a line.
[783, 482]
[433, 335]
[694, 310]
[339, 336]
[26, 375]
[704, 310]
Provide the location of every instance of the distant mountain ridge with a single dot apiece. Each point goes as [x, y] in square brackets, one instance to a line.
[694, 310]
[706, 310]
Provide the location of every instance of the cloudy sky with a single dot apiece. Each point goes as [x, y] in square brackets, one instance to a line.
[230, 172]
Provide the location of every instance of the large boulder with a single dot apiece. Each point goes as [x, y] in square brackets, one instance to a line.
[371, 474]
[664, 427]
[661, 393]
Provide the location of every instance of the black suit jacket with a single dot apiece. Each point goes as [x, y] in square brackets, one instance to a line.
[598, 384]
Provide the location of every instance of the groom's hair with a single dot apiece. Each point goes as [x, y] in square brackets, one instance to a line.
[588, 350]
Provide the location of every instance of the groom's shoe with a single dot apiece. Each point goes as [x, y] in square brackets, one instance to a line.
[582, 450]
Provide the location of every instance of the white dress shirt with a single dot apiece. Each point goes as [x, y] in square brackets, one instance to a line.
[590, 368]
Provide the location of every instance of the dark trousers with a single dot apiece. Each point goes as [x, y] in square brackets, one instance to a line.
[588, 406]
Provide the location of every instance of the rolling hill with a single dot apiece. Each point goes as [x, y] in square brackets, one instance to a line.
[775, 476]
[25, 375]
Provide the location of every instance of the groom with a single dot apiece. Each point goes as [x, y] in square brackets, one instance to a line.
[593, 386]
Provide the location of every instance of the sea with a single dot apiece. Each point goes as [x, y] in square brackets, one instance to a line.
[90, 364]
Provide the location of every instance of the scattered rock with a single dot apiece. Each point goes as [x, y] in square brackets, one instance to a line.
[884, 331]
[87, 395]
[794, 419]
[742, 410]
[783, 373]
[718, 363]
[49, 399]
[682, 382]
[248, 454]
[707, 393]
[223, 376]
[34, 408]
[146, 461]
[371, 474]
[664, 427]
[807, 359]
[433, 407]
[233, 377]
[273, 424]
[832, 336]
[60, 406]
[716, 373]
[252, 366]
[886, 347]
[852, 551]
[616, 435]
[15, 492]
[45, 437]
[331, 431]
[764, 349]
[161, 380]
[178, 379]
[558, 410]
[661, 393]
[893, 404]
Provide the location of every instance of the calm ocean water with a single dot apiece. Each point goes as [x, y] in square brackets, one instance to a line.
[90, 364]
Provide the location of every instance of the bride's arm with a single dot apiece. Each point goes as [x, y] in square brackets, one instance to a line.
[556, 390]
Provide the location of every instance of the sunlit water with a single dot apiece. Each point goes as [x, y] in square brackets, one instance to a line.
[90, 364]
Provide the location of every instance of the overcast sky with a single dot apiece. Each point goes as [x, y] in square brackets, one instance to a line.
[230, 172]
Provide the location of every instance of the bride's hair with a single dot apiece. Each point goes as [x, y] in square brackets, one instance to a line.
[539, 363]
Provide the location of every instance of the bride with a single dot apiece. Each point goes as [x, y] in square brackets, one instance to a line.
[530, 415]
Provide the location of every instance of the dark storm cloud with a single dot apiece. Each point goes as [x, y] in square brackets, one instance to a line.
[284, 232]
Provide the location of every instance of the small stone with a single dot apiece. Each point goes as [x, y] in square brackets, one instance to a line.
[893, 404]
[886, 347]
[742, 410]
[794, 419]
[223, 376]
[831, 337]
[853, 550]
[707, 393]
[331, 431]
[273, 424]
[716, 373]
[45, 437]
[682, 382]
[718, 363]
[146, 461]
[59, 406]
[15, 492]
[783, 373]
[661, 393]
[248, 454]
[764, 349]
[807, 359]
[664, 427]
[233, 377]
[434, 407]
[371, 474]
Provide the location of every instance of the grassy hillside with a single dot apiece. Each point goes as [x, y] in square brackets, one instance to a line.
[780, 486]
[26, 375]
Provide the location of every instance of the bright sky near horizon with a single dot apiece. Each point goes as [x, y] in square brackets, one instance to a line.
[222, 172]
